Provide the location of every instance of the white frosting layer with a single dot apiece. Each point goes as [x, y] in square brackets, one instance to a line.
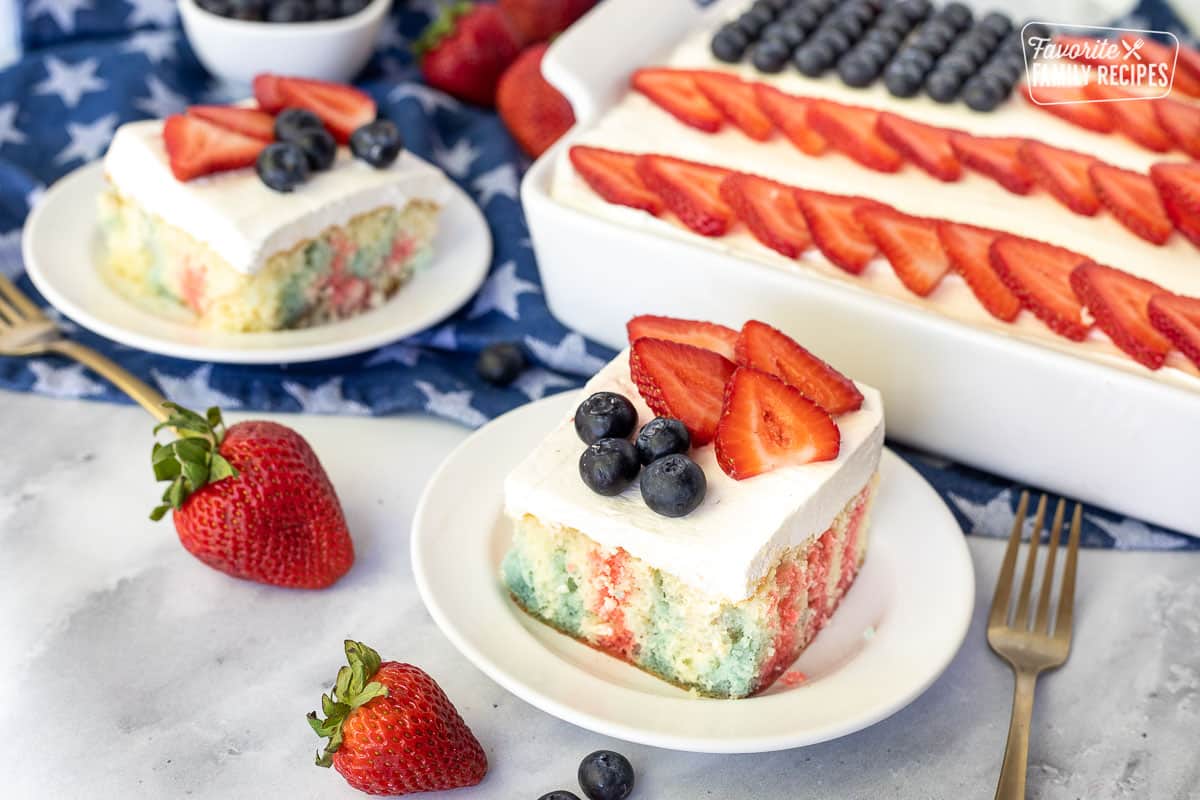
[637, 125]
[730, 542]
[241, 219]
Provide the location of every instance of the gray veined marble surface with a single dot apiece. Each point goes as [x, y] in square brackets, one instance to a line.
[128, 670]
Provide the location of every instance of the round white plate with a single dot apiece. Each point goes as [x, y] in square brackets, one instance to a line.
[59, 248]
[896, 630]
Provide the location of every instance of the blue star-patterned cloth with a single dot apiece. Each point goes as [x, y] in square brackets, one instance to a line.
[91, 65]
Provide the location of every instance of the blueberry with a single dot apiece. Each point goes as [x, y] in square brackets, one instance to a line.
[753, 21]
[222, 8]
[848, 24]
[789, 33]
[837, 40]
[957, 14]
[874, 53]
[559, 794]
[1006, 69]
[288, 11]
[887, 39]
[499, 364]
[957, 64]
[776, 5]
[248, 10]
[608, 466]
[770, 55]
[662, 436]
[292, 122]
[915, 10]
[805, 16]
[319, 148]
[729, 44]
[814, 58]
[378, 143]
[673, 486]
[348, 8]
[822, 7]
[942, 86]
[902, 78]
[767, 8]
[605, 415]
[921, 60]
[856, 70]
[324, 9]
[984, 92]
[860, 12]
[936, 35]
[605, 775]
[282, 166]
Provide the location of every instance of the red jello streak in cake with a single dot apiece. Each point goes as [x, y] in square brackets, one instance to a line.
[850, 550]
[820, 558]
[193, 286]
[608, 607]
[789, 599]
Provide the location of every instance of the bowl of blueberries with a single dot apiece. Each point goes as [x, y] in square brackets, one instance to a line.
[325, 39]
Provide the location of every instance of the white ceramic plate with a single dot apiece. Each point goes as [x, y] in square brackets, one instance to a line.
[59, 248]
[898, 627]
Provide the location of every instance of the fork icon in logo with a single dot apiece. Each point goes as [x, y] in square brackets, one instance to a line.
[1132, 48]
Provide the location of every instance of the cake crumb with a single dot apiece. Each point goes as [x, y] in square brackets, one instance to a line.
[794, 678]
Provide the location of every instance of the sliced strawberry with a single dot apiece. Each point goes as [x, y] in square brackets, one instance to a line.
[250, 121]
[998, 158]
[1063, 173]
[851, 129]
[1178, 318]
[708, 335]
[342, 108]
[614, 177]
[1072, 104]
[769, 210]
[835, 230]
[681, 381]
[675, 92]
[968, 248]
[910, 243]
[1153, 52]
[268, 94]
[790, 115]
[1179, 187]
[1189, 61]
[690, 190]
[1039, 274]
[766, 424]
[924, 145]
[1134, 117]
[736, 101]
[1181, 121]
[772, 351]
[1119, 302]
[1133, 200]
[197, 147]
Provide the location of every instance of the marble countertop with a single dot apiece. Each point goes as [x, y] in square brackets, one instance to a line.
[127, 669]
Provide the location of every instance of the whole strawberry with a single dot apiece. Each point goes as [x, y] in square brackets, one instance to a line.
[392, 730]
[534, 112]
[252, 501]
[464, 51]
[538, 20]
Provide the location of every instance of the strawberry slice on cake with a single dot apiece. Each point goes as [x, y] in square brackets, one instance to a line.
[1039, 274]
[770, 211]
[924, 145]
[1178, 318]
[681, 381]
[691, 191]
[708, 335]
[676, 93]
[836, 230]
[911, 245]
[614, 177]
[789, 113]
[769, 350]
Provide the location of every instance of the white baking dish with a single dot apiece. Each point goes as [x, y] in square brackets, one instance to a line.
[1072, 426]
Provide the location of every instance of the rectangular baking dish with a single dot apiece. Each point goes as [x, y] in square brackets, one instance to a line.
[1048, 419]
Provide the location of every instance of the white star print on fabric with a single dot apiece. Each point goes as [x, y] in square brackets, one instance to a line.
[160, 13]
[445, 338]
[162, 102]
[501, 180]
[34, 196]
[10, 254]
[534, 382]
[70, 81]
[451, 405]
[430, 99]
[501, 291]
[88, 140]
[63, 381]
[8, 125]
[993, 518]
[62, 11]
[157, 46]
[325, 399]
[569, 355]
[400, 353]
[458, 158]
[195, 391]
[1129, 534]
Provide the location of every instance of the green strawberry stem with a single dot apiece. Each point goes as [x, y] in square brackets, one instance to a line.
[192, 461]
[441, 27]
[353, 688]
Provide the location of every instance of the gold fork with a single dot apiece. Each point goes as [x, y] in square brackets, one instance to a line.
[26, 331]
[1031, 649]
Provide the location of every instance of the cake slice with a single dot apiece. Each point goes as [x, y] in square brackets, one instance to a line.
[721, 600]
[225, 252]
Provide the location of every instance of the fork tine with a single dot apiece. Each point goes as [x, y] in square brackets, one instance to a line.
[1066, 603]
[1021, 620]
[1041, 625]
[15, 296]
[999, 612]
[8, 314]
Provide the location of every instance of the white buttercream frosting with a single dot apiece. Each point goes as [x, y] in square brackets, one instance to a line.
[241, 219]
[636, 125]
[731, 541]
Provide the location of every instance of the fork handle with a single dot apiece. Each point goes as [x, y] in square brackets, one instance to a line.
[138, 390]
[1016, 752]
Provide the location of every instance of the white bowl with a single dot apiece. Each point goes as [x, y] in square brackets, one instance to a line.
[331, 50]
